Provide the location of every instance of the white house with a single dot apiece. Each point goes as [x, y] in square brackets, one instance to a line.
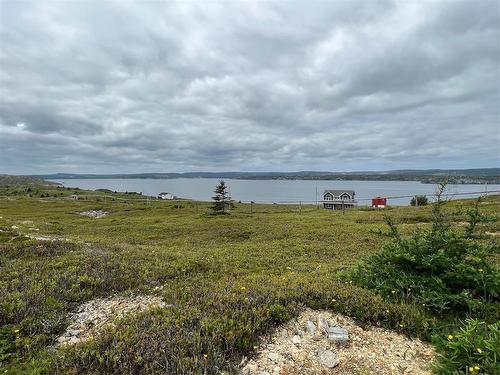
[339, 199]
[166, 196]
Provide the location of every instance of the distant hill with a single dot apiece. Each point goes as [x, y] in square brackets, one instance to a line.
[460, 176]
[7, 181]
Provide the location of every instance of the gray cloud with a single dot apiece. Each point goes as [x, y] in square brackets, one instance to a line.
[120, 86]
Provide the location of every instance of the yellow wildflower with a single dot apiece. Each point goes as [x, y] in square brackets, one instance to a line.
[480, 270]
[477, 368]
[471, 369]
[393, 291]
[242, 288]
[450, 337]
[205, 355]
[479, 350]
[16, 331]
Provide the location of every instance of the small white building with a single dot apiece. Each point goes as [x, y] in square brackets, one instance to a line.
[164, 195]
[339, 199]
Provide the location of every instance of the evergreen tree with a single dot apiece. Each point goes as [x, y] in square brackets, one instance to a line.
[221, 198]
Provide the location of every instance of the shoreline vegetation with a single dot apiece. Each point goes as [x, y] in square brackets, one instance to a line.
[431, 176]
[226, 281]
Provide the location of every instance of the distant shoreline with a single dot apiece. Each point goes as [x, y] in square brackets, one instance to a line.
[425, 179]
[427, 176]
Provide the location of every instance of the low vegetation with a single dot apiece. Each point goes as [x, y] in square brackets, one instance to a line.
[452, 274]
[229, 278]
[419, 200]
[474, 349]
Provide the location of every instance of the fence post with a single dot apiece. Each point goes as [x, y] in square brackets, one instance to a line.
[300, 207]
[251, 207]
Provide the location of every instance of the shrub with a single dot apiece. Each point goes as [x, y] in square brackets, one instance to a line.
[471, 350]
[279, 313]
[437, 268]
[419, 200]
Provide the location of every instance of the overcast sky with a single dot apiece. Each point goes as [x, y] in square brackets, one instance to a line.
[114, 86]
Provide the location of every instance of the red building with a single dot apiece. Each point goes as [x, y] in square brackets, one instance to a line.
[379, 202]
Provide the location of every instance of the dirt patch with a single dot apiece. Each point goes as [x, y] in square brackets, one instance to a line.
[94, 315]
[318, 342]
[93, 213]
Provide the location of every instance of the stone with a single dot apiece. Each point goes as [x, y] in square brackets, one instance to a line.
[264, 373]
[328, 358]
[338, 335]
[310, 327]
[296, 340]
[318, 336]
[323, 325]
[300, 333]
[73, 332]
[273, 357]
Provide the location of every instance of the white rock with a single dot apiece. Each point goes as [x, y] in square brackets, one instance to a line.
[310, 327]
[296, 340]
[323, 324]
[328, 358]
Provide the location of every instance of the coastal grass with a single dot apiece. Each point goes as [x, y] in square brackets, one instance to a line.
[227, 279]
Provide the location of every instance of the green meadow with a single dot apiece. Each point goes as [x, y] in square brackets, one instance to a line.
[227, 279]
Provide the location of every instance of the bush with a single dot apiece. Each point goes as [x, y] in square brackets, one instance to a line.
[421, 200]
[471, 350]
[437, 268]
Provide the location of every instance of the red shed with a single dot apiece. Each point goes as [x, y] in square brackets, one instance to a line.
[379, 202]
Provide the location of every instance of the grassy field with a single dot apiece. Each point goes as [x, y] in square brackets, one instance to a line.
[229, 278]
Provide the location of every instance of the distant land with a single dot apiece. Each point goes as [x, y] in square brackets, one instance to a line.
[431, 176]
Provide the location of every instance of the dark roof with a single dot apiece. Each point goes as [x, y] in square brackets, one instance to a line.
[164, 193]
[338, 193]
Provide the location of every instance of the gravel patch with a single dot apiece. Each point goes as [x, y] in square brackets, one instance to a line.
[91, 317]
[93, 213]
[307, 346]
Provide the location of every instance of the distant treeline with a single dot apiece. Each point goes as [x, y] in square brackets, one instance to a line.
[8, 181]
[454, 176]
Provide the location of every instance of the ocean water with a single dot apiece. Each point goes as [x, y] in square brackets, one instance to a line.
[278, 191]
